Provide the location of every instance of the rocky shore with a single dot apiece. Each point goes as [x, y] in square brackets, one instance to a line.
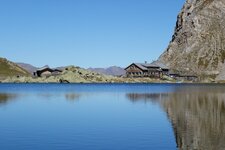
[74, 74]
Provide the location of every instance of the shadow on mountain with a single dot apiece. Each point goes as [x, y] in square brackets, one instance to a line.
[197, 115]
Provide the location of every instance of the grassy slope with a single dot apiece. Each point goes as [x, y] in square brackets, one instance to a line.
[8, 68]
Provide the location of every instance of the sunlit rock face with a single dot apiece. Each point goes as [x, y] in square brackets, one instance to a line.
[197, 115]
[198, 43]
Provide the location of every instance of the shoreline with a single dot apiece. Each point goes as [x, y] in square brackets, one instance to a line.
[168, 83]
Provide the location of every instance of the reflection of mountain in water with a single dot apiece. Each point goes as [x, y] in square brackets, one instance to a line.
[146, 97]
[5, 98]
[197, 115]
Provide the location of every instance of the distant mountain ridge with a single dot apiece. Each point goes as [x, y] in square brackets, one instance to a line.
[30, 68]
[113, 70]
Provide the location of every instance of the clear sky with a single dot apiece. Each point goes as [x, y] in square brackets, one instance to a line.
[86, 33]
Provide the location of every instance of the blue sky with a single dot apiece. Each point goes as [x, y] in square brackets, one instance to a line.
[86, 33]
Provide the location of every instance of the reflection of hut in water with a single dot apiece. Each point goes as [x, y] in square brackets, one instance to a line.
[151, 97]
[72, 96]
[197, 115]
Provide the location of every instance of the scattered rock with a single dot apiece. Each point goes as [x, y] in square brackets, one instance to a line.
[63, 81]
[78, 75]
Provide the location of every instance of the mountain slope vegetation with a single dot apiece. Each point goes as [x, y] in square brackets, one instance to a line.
[9, 69]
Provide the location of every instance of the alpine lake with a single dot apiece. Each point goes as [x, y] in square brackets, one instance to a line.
[112, 116]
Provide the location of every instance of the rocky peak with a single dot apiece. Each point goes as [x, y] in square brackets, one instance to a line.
[198, 43]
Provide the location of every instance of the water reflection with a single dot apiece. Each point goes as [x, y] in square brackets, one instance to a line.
[197, 115]
[6, 97]
[72, 96]
[67, 96]
[145, 97]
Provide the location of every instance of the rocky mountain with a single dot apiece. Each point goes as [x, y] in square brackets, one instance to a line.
[198, 44]
[28, 67]
[114, 70]
[9, 69]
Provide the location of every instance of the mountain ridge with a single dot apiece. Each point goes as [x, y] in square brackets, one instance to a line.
[113, 70]
[9, 69]
[30, 68]
[198, 43]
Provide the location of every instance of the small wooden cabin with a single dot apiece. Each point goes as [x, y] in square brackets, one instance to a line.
[154, 70]
[46, 72]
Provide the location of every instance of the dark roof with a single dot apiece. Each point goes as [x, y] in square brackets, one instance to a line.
[149, 65]
[44, 68]
[160, 64]
[49, 69]
[146, 66]
[141, 66]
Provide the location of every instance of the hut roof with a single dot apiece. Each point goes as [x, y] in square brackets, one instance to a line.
[141, 66]
[146, 66]
[149, 65]
[43, 68]
[160, 64]
[49, 69]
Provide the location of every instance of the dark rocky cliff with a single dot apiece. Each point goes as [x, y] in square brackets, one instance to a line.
[198, 44]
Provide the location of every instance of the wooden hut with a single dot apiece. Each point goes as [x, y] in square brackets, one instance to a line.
[154, 69]
[46, 71]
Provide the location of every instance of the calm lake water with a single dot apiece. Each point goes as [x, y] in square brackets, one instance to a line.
[112, 116]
